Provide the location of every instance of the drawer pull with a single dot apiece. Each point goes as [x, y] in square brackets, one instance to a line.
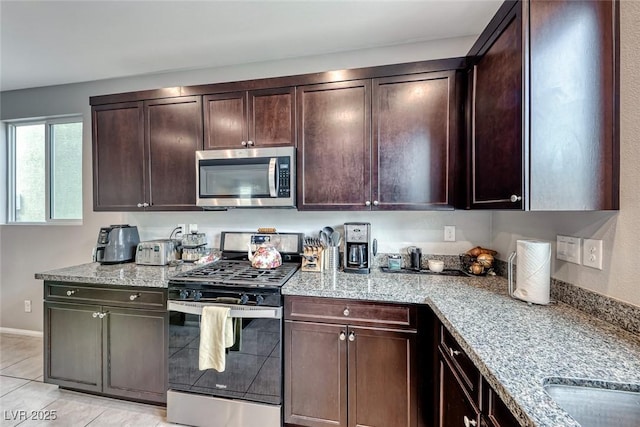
[346, 311]
[94, 315]
[469, 423]
[352, 336]
[133, 297]
[453, 352]
[343, 336]
[69, 293]
[102, 315]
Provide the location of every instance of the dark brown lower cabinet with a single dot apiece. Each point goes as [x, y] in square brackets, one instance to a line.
[456, 407]
[342, 374]
[465, 397]
[115, 351]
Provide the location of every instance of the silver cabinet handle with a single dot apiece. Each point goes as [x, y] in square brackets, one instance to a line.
[69, 293]
[134, 297]
[468, 422]
[145, 205]
[515, 198]
[140, 205]
[352, 336]
[102, 315]
[367, 203]
[342, 336]
[244, 143]
[346, 311]
[94, 315]
[250, 143]
[453, 352]
[376, 203]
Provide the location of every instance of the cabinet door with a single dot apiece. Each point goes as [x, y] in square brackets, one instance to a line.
[225, 120]
[272, 117]
[73, 346]
[135, 353]
[334, 146]
[173, 133]
[574, 145]
[119, 169]
[414, 126]
[456, 408]
[315, 374]
[382, 378]
[496, 133]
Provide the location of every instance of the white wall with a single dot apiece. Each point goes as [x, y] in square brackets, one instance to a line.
[26, 250]
[619, 231]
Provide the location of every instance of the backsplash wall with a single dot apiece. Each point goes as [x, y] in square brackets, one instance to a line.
[393, 230]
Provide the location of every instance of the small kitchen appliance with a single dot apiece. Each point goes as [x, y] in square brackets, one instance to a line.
[415, 257]
[358, 247]
[116, 244]
[246, 178]
[157, 252]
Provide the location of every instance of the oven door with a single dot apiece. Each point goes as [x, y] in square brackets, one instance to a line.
[253, 365]
[260, 177]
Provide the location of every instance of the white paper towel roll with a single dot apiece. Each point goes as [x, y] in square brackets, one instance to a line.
[533, 275]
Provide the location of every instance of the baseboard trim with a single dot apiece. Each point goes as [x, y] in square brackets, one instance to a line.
[26, 332]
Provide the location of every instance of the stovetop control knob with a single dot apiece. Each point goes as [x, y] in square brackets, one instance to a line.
[184, 294]
[259, 299]
[244, 299]
[196, 295]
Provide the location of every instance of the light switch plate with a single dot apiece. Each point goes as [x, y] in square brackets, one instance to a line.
[568, 249]
[592, 253]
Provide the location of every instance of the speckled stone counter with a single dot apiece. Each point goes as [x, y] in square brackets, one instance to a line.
[517, 347]
[128, 274]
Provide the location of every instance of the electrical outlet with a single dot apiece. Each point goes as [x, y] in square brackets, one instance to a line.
[449, 233]
[592, 253]
[568, 248]
[27, 306]
[183, 228]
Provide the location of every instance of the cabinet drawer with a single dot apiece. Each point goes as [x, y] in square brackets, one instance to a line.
[498, 415]
[127, 297]
[350, 312]
[467, 371]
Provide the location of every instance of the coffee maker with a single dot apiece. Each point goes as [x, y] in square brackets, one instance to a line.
[357, 247]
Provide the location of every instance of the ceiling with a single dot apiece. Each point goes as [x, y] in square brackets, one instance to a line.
[46, 43]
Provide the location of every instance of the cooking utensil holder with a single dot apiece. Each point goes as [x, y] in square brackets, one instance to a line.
[332, 258]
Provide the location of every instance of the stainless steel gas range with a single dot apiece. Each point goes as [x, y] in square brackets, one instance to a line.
[249, 391]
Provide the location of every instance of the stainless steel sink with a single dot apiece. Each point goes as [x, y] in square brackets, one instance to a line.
[597, 404]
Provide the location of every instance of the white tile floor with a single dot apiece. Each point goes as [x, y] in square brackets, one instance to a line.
[24, 396]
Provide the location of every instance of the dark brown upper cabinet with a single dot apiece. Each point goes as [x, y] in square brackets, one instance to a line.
[543, 131]
[414, 140]
[334, 146]
[387, 143]
[257, 118]
[144, 154]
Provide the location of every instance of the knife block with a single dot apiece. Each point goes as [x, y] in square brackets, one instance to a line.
[313, 259]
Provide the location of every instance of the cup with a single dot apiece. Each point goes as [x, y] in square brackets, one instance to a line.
[435, 265]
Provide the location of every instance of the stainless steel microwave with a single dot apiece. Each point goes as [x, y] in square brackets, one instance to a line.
[246, 178]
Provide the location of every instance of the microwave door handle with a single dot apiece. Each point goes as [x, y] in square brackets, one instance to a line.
[273, 177]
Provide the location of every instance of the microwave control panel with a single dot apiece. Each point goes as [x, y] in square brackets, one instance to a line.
[284, 178]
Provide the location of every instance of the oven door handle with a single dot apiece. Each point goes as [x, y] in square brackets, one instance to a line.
[239, 312]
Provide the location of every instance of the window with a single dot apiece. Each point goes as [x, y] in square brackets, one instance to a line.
[45, 171]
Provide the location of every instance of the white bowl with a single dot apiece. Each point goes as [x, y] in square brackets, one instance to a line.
[435, 265]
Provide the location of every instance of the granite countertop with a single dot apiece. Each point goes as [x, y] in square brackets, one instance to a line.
[517, 347]
[127, 274]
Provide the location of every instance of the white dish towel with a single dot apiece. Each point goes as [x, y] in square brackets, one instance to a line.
[216, 334]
